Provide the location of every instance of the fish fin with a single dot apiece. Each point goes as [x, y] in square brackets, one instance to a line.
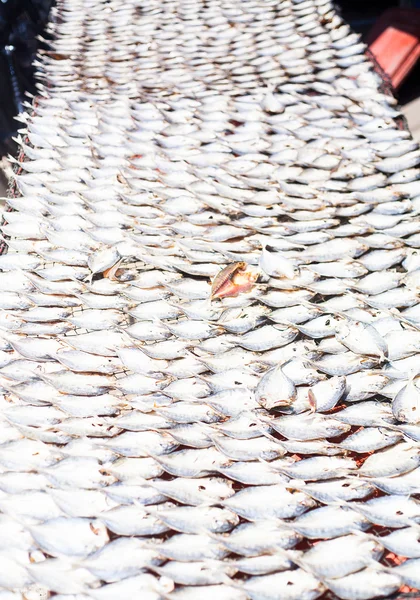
[394, 312]
[158, 321]
[229, 581]
[188, 351]
[295, 559]
[208, 302]
[285, 322]
[218, 412]
[269, 436]
[133, 342]
[110, 273]
[374, 564]
[296, 484]
[286, 362]
[327, 311]
[363, 534]
[217, 537]
[414, 374]
[209, 430]
[338, 503]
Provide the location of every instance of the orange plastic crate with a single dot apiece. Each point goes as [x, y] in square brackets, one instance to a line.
[395, 42]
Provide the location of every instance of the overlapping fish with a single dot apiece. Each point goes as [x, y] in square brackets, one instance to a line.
[210, 317]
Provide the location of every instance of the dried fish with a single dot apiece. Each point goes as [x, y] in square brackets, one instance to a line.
[209, 311]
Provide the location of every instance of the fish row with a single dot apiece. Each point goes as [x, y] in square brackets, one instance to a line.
[355, 564]
[194, 46]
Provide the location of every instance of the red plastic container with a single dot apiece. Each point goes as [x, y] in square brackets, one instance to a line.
[395, 42]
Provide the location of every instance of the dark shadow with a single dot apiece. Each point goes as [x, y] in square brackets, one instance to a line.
[21, 21]
[410, 89]
[362, 15]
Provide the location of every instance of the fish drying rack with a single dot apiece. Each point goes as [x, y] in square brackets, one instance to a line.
[168, 140]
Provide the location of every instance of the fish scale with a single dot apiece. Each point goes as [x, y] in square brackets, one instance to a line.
[156, 441]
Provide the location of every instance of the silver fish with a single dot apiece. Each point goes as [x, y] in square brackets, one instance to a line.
[250, 146]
